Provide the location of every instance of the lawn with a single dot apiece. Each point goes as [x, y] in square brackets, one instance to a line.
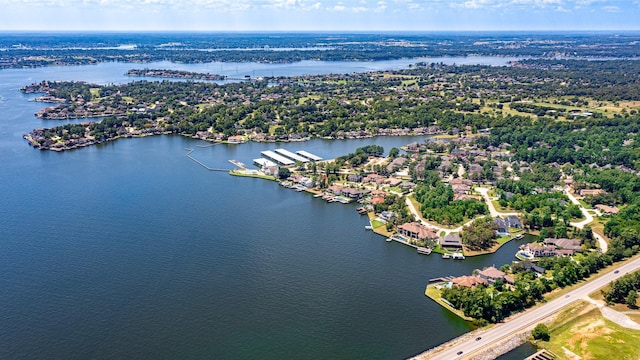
[582, 330]
[435, 294]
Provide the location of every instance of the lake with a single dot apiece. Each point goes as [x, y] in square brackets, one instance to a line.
[131, 250]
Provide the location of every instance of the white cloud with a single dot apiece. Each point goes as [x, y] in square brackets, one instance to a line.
[611, 8]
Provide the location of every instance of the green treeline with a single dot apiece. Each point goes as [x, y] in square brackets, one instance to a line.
[437, 204]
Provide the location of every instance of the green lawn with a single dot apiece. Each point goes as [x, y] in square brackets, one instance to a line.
[376, 223]
[583, 330]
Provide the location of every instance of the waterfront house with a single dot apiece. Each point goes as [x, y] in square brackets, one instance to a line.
[450, 241]
[416, 231]
[564, 244]
[335, 189]
[535, 250]
[468, 281]
[351, 193]
[377, 200]
[502, 228]
[491, 274]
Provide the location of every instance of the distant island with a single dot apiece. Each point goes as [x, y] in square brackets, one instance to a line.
[175, 74]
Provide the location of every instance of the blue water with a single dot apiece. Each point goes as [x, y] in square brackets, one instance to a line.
[131, 250]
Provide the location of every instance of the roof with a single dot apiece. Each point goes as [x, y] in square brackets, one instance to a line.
[491, 272]
[450, 240]
[420, 230]
[468, 281]
[568, 244]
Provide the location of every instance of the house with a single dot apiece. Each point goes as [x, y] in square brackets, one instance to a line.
[393, 181]
[407, 185]
[491, 274]
[450, 241]
[351, 193]
[513, 222]
[502, 227]
[531, 267]
[397, 163]
[565, 244]
[413, 147]
[377, 200]
[591, 192]
[468, 281]
[386, 215]
[374, 178]
[416, 231]
[335, 189]
[607, 210]
[535, 250]
[354, 178]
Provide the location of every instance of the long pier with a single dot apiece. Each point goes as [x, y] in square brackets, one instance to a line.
[188, 154]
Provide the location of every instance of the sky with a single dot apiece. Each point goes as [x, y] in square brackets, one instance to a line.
[319, 15]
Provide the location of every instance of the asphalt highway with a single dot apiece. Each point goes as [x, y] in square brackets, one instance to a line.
[491, 336]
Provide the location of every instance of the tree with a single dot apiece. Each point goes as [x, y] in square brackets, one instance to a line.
[541, 332]
[393, 153]
[632, 298]
[283, 173]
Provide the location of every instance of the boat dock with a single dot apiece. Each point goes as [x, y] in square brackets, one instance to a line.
[277, 157]
[401, 240]
[188, 154]
[291, 155]
[264, 163]
[238, 164]
[309, 155]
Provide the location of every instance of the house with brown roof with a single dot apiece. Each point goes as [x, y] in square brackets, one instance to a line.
[468, 281]
[491, 274]
[607, 210]
[591, 192]
[565, 244]
[416, 231]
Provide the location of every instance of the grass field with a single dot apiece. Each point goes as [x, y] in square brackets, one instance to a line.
[583, 331]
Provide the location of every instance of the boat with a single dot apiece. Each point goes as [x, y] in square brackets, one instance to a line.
[389, 239]
[457, 256]
[446, 256]
[368, 227]
[518, 237]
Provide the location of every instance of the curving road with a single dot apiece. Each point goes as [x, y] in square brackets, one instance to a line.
[527, 319]
[588, 218]
[492, 209]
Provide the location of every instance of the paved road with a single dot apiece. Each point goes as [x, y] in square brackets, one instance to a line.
[588, 218]
[529, 318]
[492, 209]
